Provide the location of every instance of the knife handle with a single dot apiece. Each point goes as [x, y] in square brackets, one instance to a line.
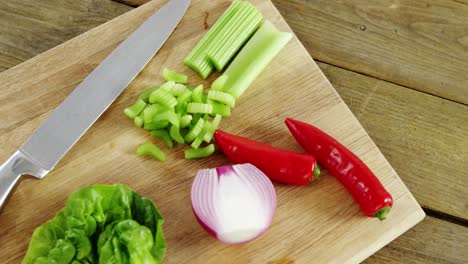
[11, 171]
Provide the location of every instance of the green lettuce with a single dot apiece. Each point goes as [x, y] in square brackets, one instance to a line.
[100, 224]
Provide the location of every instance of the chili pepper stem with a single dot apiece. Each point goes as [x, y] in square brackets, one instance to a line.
[316, 171]
[382, 213]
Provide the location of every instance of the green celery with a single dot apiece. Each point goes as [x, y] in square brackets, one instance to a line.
[196, 117]
[197, 94]
[182, 101]
[211, 129]
[197, 142]
[218, 84]
[146, 94]
[135, 110]
[197, 59]
[185, 121]
[259, 51]
[169, 116]
[155, 125]
[167, 86]
[235, 36]
[174, 132]
[163, 97]
[164, 136]
[199, 108]
[221, 109]
[178, 89]
[195, 130]
[222, 97]
[138, 121]
[199, 153]
[151, 110]
[149, 149]
[199, 139]
[169, 75]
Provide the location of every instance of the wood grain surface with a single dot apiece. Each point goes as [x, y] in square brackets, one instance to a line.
[431, 241]
[29, 28]
[422, 44]
[106, 153]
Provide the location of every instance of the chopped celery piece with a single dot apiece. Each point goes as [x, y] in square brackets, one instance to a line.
[138, 121]
[196, 108]
[184, 97]
[204, 97]
[155, 125]
[174, 132]
[164, 136]
[185, 121]
[135, 110]
[169, 75]
[218, 84]
[197, 94]
[178, 89]
[259, 51]
[222, 97]
[163, 97]
[169, 116]
[197, 142]
[244, 23]
[211, 129]
[197, 59]
[196, 117]
[195, 130]
[199, 139]
[199, 153]
[151, 110]
[221, 109]
[149, 149]
[167, 86]
[182, 101]
[146, 94]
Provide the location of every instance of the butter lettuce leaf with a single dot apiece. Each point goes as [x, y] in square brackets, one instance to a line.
[101, 224]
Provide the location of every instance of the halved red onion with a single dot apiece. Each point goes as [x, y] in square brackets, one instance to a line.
[235, 203]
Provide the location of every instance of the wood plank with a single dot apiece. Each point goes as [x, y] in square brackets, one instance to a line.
[424, 137]
[419, 44]
[29, 28]
[292, 83]
[431, 241]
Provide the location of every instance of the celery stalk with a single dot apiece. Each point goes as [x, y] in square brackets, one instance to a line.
[265, 44]
[197, 59]
[239, 17]
[222, 51]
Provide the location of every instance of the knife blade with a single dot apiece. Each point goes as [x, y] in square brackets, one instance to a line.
[52, 140]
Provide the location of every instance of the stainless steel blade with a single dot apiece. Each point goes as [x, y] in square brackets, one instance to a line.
[93, 96]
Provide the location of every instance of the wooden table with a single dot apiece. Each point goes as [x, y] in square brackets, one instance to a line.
[401, 66]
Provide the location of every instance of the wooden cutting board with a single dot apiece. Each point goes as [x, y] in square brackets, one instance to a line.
[318, 223]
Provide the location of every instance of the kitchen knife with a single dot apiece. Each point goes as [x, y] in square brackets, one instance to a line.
[90, 99]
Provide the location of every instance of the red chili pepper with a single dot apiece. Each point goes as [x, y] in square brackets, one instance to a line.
[278, 164]
[364, 186]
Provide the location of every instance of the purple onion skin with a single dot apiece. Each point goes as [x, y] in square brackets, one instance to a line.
[222, 171]
[207, 228]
